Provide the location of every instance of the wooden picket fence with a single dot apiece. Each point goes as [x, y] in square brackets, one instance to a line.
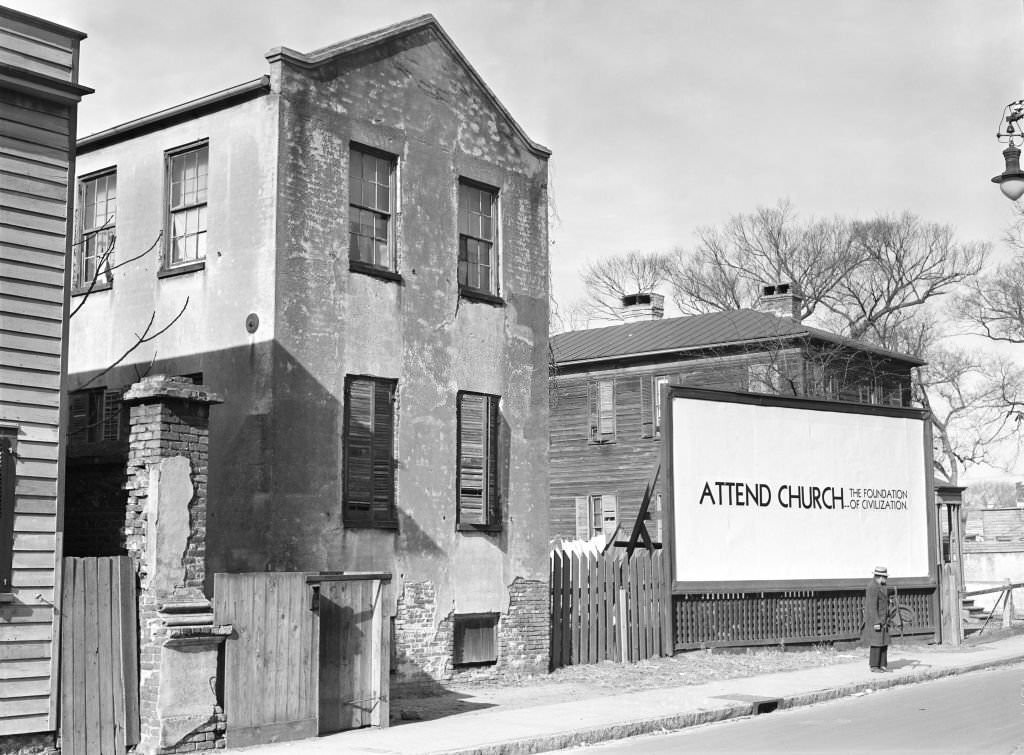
[609, 607]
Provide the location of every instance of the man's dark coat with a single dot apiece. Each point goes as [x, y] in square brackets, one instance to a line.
[876, 612]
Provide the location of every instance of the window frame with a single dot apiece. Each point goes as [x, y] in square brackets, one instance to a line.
[351, 516]
[596, 510]
[493, 294]
[389, 271]
[81, 282]
[491, 500]
[599, 432]
[656, 419]
[461, 622]
[106, 418]
[169, 266]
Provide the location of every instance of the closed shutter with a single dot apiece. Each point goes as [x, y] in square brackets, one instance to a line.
[607, 408]
[478, 460]
[369, 444]
[646, 406]
[582, 517]
[7, 482]
[79, 419]
[593, 412]
[383, 500]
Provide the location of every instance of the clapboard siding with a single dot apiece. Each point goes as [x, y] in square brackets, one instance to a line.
[31, 256]
[24, 49]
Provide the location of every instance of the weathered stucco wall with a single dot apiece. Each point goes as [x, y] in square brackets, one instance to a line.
[411, 99]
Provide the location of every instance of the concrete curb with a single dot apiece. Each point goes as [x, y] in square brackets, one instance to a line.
[677, 722]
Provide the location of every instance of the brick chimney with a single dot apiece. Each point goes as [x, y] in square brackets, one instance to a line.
[781, 300]
[642, 306]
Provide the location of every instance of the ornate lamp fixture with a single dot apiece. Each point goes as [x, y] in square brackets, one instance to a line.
[1011, 180]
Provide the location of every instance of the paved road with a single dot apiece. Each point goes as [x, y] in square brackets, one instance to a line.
[978, 712]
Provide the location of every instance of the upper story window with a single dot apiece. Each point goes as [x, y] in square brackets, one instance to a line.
[478, 506]
[371, 198]
[96, 416]
[478, 236]
[659, 382]
[97, 202]
[602, 411]
[369, 441]
[187, 172]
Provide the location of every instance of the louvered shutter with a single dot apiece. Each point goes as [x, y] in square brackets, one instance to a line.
[79, 416]
[646, 406]
[593, 411]
[7, 483]
[606, 399]
[472, 458]
[383, 499]
[582, 517]
[359, 450]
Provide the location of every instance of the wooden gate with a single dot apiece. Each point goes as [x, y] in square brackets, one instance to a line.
[99, 682]
[609, 607]
[308, 655]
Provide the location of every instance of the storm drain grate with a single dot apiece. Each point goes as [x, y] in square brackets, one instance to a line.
[758, 704]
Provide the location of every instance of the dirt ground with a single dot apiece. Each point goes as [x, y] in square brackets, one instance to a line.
[607, 678]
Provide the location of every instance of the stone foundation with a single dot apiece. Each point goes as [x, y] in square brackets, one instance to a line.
[29, 744]
[424, 644]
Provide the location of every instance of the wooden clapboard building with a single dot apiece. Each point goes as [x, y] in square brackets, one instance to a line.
[606, 394]
[39, 92]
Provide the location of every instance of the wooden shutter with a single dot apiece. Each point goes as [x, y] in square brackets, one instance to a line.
[609, 513]
[647, 406]
[582, 517]
[79, 419]
[478, 460]
[7, 482]
[383, 447]
[606, 400]
[593, 412]
[358, 450]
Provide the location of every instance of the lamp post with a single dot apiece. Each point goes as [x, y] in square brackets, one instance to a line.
[1011, 180]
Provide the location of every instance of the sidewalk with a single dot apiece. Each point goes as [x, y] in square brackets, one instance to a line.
[501, 723]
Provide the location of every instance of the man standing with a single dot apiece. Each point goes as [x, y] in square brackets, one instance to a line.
[876, 619]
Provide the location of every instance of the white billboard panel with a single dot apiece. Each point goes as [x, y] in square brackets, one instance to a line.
[771, 492]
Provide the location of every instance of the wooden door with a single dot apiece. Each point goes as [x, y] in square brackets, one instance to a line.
[354, 652]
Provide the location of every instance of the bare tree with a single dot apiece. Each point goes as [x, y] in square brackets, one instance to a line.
[993, 305]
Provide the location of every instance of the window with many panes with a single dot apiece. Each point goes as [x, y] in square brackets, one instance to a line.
[478, 504]
[94, 250]
[596, 515]
[187, 173]
[371, 207]
[478, 251]
[369, 442]
[96, 415]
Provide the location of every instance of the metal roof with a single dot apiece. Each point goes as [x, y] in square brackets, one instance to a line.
[674, 334]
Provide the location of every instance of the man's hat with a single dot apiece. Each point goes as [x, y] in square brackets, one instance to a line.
[881, 571]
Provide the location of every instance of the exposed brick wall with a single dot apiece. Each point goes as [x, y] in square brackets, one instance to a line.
[208, 737]
[28, 744]
[424, 643]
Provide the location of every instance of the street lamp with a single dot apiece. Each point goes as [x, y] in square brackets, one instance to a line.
[1011, 180]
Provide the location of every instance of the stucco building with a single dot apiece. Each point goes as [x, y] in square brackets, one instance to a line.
[607, 384]
[352, 252]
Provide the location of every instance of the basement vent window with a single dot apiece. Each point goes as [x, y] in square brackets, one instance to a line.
[476, 639]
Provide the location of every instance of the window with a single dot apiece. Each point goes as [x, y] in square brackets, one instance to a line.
[476, 638]
[478, 268]
[369, 452]
[762, 378]
[659, 382]
[371, 198]
[186, 205]
[97, 202]
[602, 411]
[96, 416]
[596, 515]
[478, 504]
[8, 458]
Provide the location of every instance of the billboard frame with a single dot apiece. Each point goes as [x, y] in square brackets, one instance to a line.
[792, 402]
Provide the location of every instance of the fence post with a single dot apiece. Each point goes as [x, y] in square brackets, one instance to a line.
[1008, 605]
[623, 632]
[955, 606]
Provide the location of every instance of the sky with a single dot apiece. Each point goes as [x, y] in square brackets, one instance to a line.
[662, 115]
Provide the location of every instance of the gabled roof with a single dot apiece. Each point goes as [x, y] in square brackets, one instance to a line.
[373, 38]
[736, 327]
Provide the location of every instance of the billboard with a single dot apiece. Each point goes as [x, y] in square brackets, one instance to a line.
[767, 490]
